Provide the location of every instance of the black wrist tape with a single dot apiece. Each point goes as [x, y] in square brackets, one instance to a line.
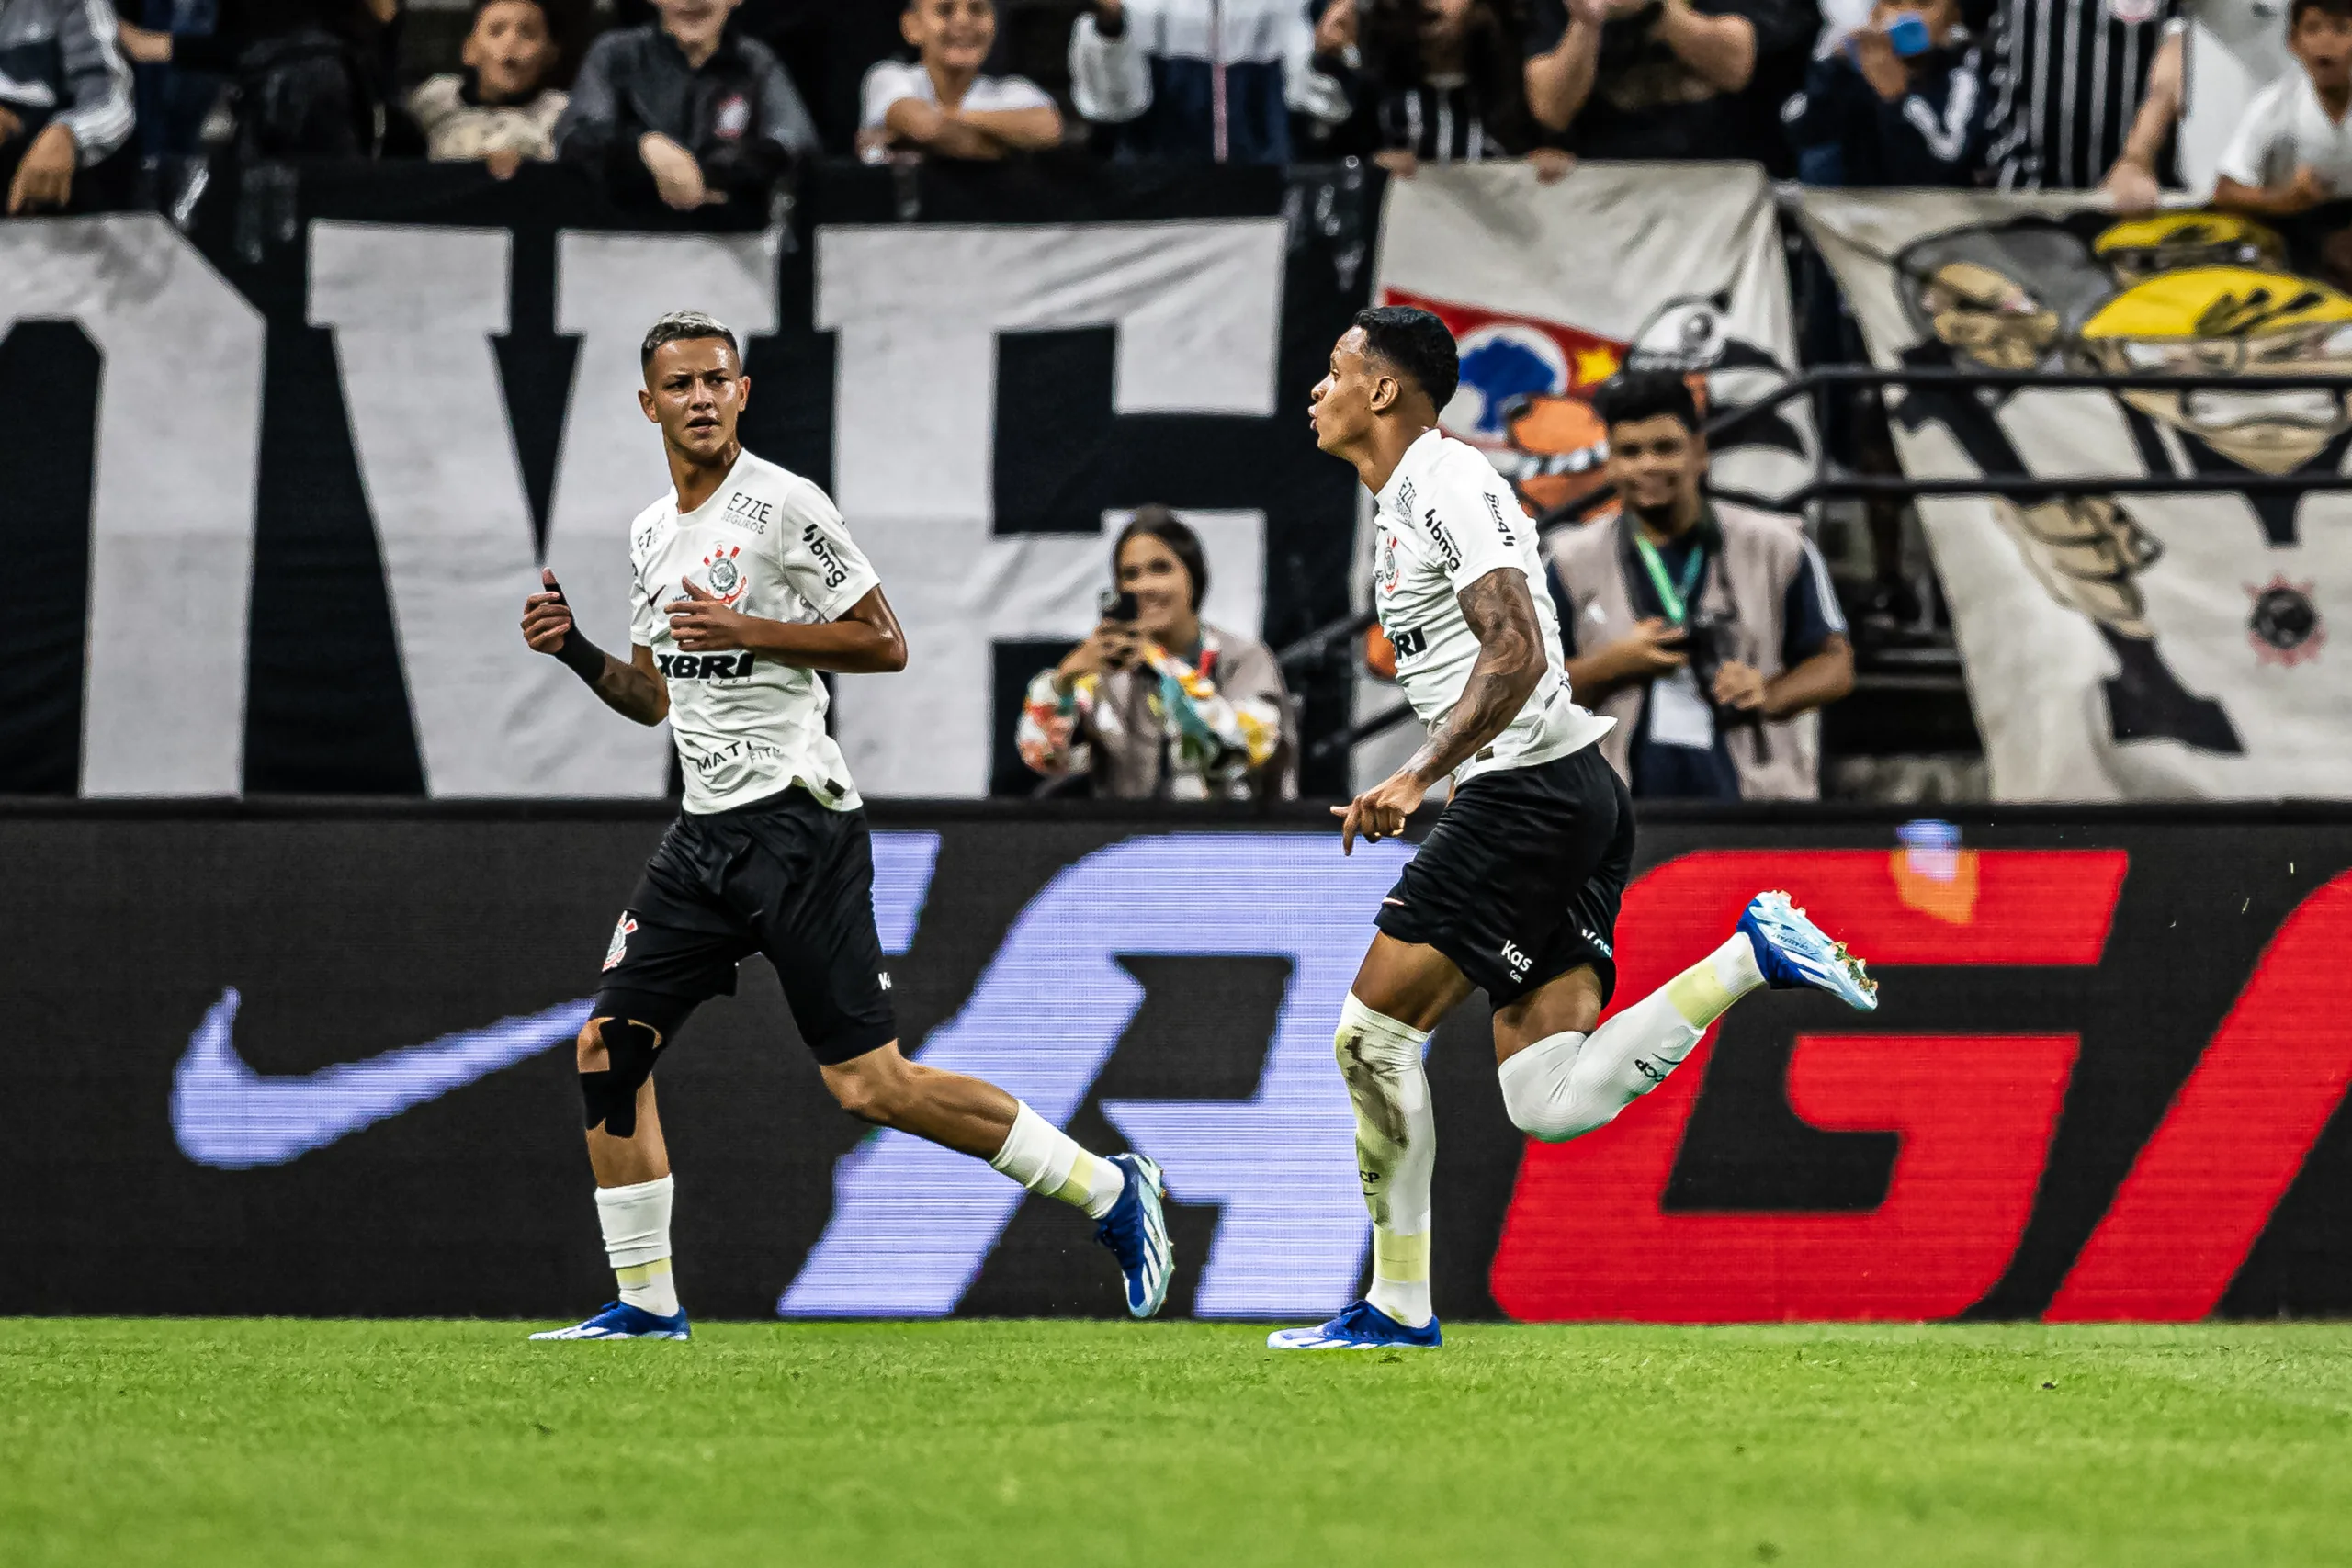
[582, 658]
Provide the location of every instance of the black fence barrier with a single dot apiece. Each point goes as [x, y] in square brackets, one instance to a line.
[315, 1060]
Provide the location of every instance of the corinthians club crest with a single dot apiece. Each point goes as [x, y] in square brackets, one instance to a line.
[725, 579]
[2285, 626]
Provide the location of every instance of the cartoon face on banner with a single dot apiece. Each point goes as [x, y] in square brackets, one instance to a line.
[2183, 293]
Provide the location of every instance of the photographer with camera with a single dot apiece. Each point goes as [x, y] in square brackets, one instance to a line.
[1708, 630]
[1157, 704]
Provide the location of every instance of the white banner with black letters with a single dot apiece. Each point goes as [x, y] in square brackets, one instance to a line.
[309, 475]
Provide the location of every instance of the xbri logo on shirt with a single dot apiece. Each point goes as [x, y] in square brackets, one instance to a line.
[1409, 643]
[704, 666]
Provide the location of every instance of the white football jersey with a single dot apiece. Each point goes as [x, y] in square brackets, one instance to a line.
[770, 543]
[1446, 519]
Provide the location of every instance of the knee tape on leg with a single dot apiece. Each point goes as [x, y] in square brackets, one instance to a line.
[611, 1096]
[1543, 1094]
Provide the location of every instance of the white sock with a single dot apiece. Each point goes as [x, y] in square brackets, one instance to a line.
[1395, 1153]
[1565, 1085]
[637, 1238]
[1044, 1158]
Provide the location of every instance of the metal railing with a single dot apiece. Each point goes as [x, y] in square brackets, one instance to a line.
[1819, 384]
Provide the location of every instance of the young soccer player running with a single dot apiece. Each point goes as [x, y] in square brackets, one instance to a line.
[746, 584]
[1515, 890]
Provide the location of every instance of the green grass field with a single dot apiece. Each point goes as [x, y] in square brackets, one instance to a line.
[1068, 1444]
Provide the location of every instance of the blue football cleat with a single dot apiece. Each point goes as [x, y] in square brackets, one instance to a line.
[1792, 951]
[621, 1321]
[1361, 1327]
[1135, 1230]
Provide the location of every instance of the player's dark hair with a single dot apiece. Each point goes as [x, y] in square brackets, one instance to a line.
[684, 326]
[2341, 9]
[1632, 395]
[1172, 531]
[1416, 342]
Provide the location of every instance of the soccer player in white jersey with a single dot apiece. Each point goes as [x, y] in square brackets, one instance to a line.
[1515, 890]
[746, 584]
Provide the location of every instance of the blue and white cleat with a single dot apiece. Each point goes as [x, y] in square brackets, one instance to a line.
[1361, 1326]
[621, 1321]
[1135, 1230]
[1792, 952]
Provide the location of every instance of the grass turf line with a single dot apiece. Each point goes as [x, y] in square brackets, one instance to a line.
[270, 1442]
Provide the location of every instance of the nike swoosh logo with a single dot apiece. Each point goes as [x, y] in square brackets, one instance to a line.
[227, 1116]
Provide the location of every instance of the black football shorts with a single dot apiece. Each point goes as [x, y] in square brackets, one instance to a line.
[1519, 880]
[783, 876]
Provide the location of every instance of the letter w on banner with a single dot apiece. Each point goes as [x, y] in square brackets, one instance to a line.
[2149, 646]
[1550, 289]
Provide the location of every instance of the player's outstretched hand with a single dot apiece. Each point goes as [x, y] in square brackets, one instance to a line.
[702, 622]
[547, 619]
[1379, 812]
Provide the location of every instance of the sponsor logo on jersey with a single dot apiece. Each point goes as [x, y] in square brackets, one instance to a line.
[1446, 548]
[1494, 509]
[819, 545]
[619, 948]
[748, 512]
[1595, 942]
[704, 666]
[1520, 963]
[727, 579]
[1410, 642]
[885, 977]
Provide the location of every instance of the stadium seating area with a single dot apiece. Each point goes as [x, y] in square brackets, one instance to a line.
[190, 101]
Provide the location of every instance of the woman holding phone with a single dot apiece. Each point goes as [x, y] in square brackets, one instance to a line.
[1157, 703]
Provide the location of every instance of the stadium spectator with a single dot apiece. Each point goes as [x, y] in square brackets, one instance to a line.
[941, 103]
[2086, 93]
[685, 113]
[1183, 80]
[1900, 102]
[1667, 78]
[310, 78]
[64, 105]
[1707, 630]
[500, 110]
[1427, 82]
[2293, 149]
[1157, 703]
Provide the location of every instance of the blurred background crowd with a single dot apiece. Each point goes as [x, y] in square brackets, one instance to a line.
[695, 102]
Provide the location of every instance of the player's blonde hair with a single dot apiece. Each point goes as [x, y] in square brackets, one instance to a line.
[684, 326]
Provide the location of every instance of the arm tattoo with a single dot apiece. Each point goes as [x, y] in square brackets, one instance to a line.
[625, 689]
[1510, 663]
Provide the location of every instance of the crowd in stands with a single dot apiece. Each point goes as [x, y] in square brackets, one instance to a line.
[697, 102]
[1714, 653]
